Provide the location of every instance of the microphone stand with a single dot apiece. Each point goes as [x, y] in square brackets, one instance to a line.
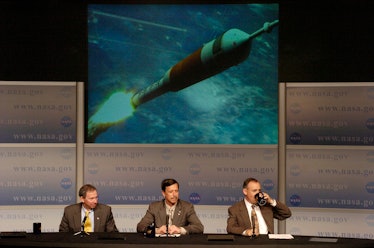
[167, 225]
[82, 232]
[253, 228]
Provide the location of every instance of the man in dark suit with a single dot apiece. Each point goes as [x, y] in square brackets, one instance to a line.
[171, 215]
[240, 214]
[88, 214]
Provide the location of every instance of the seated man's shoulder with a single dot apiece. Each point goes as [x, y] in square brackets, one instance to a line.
[237, 204]
[156, 203]
[73, 206]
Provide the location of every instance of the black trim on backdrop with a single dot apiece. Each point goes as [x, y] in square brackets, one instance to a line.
[320, 41]
[103, 240]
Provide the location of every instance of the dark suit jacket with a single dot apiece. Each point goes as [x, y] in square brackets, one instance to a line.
[184, 216]
[239, 220]
[103, 219]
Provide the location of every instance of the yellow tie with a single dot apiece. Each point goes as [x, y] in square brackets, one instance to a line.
[87, 224]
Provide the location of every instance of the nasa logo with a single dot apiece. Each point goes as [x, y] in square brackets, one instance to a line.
[66, 121]
[295, 170]
[370, 123]
[370, 220]
[295, 200]
[93, 168]
[370, 156]
[166, 154]
[66, 183]
[194, 169]
[295, 108]
[295, 138]
[268, 155]
[370, 187]
[66, 92]
[195, 198]
[268, 184]
[371, 93]
[67, 153]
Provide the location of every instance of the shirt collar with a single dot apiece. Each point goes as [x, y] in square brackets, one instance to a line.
[248, 204]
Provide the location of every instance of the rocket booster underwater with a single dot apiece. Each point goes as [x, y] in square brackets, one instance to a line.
[229, 49]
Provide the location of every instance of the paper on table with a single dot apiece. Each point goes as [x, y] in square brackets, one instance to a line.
[319, 239]
[168, 235]
[280, 236]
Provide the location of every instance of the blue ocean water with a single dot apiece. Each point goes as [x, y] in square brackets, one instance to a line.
[132, 46]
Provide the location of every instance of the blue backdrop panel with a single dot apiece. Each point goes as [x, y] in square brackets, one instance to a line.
[37, 175]
[330, 177]
[37, 112]
[340, 223]
[207, 175]
[330, 114]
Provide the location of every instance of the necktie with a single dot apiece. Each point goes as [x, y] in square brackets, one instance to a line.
[87, 224]
[255, 225]
[170, 217]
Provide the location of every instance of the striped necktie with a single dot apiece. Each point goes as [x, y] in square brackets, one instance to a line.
[254, 220]
[170, 213]
[87, 224]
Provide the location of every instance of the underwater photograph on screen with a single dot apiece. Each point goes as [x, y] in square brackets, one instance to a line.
[182, 73]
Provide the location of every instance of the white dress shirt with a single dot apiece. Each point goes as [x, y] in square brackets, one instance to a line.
[263, 227]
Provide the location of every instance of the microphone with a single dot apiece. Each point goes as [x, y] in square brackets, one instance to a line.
[167, 224]
[84, 221]
[254, 220]
[82, 232]
[253, 226]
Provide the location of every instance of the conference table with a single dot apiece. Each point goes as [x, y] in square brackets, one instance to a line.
[137, 240]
